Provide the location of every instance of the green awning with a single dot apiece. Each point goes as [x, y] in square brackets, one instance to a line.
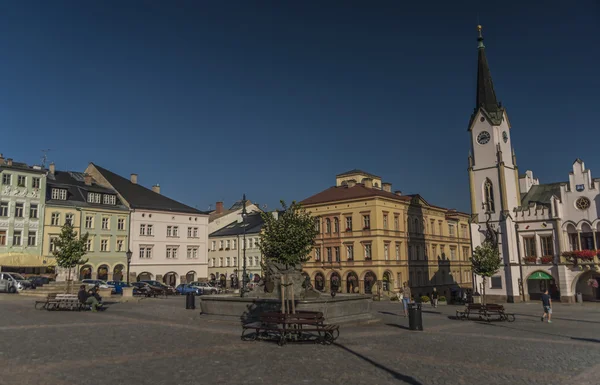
[540, 275]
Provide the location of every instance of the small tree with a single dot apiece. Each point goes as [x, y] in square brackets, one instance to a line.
[486, 262]
[69, 249]
[289, 238]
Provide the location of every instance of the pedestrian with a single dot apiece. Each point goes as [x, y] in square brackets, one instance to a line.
[434, 298]
[547, 304]
[406, 294]
[87, 299]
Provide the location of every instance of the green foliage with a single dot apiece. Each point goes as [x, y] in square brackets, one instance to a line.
[424, 299]
[486, 260]
[70, 248]
[442, 299]
[395, 298]
[289, 238]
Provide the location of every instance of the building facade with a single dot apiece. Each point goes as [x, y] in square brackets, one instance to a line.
[22, 203]
[167, 238]
[76, 198]
[226, 251]
[371, 238]
[547, 234]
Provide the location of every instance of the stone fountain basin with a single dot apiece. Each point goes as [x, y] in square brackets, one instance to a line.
[342, 308]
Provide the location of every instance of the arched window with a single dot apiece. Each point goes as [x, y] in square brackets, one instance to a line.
[327, 226]
[488, 195]
[416, 228]
[336, 225]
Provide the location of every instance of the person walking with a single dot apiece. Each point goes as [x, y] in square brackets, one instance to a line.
[406, 297]
[434, 298]
[547, 304]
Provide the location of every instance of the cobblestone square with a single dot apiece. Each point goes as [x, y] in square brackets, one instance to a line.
[157, 341]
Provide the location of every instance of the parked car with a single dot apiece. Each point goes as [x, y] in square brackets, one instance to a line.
[38, 280]
[169, 290]
[97, 282]
[13, 282]
[119, 285]
[144, 288]
[185, 288]
[206, 287]
[140, 288]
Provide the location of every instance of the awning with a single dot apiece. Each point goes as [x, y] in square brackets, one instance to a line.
[26, 260]
[540, 275]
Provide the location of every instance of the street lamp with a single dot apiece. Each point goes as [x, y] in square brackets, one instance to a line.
[244, 214]
[128, 254]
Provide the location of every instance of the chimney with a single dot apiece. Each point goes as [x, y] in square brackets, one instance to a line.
[52, 168]
[368, 182]
[351, 183]
[9, 162]
[219, 209]
[133, 178]
[398, 192]
[386, 187]
[156, 188]
[88, 179]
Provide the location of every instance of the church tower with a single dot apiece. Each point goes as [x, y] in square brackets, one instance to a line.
[493, 176]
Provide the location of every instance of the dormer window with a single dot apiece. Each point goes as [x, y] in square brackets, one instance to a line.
[93, 197]
[109, 199]
[59, 194]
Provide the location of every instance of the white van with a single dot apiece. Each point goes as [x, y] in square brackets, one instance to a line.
[13, 282]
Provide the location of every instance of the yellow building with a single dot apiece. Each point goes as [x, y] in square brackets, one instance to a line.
[76, 198]
[370, 235]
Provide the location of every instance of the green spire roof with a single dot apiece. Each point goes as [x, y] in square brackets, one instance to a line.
[486, 97]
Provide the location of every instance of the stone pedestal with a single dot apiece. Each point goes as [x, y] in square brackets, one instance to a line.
[127, 292]
[105, 293]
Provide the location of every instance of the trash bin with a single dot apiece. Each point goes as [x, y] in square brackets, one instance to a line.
[579, 297]
[190, 301]
[415, 318]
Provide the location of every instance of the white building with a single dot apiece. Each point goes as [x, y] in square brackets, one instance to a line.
[168, 239]
[539, 226]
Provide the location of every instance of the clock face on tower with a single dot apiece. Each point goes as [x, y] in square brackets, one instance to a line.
[504, 136]
[483, 137]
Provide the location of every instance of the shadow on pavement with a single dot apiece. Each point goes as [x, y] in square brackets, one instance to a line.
[431, 312]
[388, 313]
[586, 339]
[539, 332]
[396, 375]
[562, 319]
[398, 326]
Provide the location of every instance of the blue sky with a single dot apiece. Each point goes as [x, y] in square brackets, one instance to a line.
[212, 99]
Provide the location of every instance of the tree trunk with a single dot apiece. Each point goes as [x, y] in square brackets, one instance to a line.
[69, 282]
[483, 297]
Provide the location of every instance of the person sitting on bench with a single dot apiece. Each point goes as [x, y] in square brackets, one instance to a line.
[87, 299]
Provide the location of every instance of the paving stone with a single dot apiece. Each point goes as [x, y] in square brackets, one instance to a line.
[157, 341]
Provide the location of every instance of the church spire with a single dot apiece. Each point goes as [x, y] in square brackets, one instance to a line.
[486, 97]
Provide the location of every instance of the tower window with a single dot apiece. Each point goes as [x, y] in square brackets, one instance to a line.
[488, 191]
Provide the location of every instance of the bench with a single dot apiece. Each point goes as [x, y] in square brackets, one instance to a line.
[61, 302]
[300, 326]
[485, 312]
[470, 308]
[491, 310]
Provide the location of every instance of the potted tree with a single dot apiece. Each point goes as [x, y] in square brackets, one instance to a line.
[486, 262]
[286, 241]
[69, 250]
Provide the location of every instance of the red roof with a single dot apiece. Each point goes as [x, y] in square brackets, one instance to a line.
[340, 193]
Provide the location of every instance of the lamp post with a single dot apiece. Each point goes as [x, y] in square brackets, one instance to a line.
[128, 254]
[244, 214]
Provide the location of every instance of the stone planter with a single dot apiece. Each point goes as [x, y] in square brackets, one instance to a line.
[105, 293]
[127, 292]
